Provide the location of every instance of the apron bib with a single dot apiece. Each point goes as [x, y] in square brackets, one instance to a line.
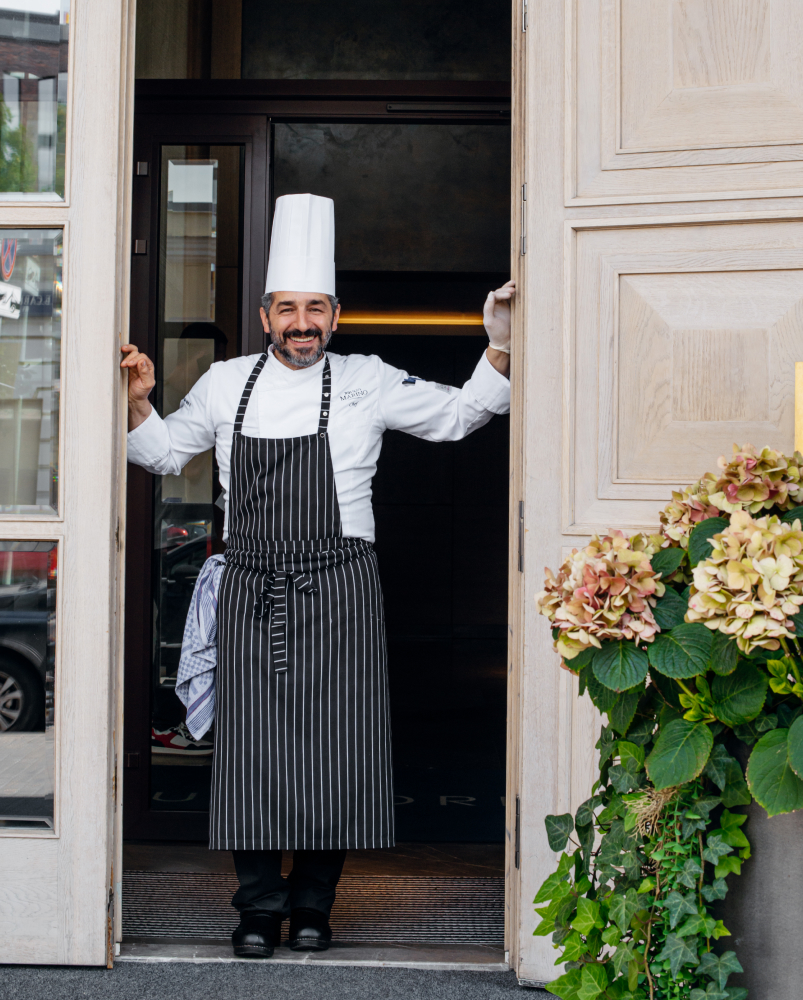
[302, 724]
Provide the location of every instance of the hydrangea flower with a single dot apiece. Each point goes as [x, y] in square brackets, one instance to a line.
[756, 481]
[752, 582]
[606, 590]
[687, 509]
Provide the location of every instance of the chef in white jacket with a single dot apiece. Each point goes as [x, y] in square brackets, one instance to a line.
[302, 741]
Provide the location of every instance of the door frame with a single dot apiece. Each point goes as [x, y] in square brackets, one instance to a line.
[177, 112]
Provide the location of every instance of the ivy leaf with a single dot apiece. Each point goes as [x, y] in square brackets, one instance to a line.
[622, 957]
[680, 753]
[574, 947]
[711, 993]
[621, 908]
[593, 980]
[699, 544]
[669, 610]
[726, 772]
[739, 697]
[697, 925]
[585, 811]
[795, 514]
[770, 776]
[736, 993]
[555, 884]
[719, 967]
[692, 870]
[717, 890]
[585, 835]
[724, 654]
[679, 906]
[794, 746]
[587, 916]
[715, 848]
[558, 829]
[622, 712]
[620, 665]
[683, 652]
[728, 865]
[566, 986]
[603, 697]
[678, 951]
[622, 779]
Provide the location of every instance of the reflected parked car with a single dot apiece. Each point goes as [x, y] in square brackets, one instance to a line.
[27, 619]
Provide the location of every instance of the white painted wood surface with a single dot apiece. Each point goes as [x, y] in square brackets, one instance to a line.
[55, 888]
[658, 320]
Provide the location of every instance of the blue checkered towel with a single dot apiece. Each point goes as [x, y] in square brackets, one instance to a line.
[195, 681]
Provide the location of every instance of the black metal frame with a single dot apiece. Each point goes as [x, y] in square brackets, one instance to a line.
[216, 112]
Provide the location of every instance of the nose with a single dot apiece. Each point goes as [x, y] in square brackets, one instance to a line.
[303, 323]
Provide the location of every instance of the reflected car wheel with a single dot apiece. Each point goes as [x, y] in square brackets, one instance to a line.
[21, 698]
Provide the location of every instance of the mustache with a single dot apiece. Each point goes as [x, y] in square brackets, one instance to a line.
[313, 331]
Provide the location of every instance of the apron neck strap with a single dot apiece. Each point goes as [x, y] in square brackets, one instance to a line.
[249, 385]
[326, 398]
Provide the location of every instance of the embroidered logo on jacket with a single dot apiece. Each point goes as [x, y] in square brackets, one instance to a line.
[353, 394]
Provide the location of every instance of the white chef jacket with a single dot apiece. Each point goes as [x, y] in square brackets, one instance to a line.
[368, 398]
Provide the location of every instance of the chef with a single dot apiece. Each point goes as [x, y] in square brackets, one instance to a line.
[302, 757]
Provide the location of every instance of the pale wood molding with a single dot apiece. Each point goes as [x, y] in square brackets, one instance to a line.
[54, 888]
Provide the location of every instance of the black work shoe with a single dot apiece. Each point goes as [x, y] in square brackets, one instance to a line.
[257, 935]
[309, 930]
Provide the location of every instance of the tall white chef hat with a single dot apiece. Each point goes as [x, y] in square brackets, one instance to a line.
[302, 245]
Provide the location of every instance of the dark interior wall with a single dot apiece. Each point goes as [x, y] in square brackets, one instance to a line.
[408, 197]
[376, 40]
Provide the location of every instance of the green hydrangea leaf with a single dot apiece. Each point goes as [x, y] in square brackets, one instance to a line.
[620, 665]
[794, 746]
[678, 906]
[795, 514]
[724, 654]
[770, 775]
[631, 756]
[739, 697]
[682, 652]
[680, 753]
[622, 907]
[603, 697]
[719, 967]
[699, 539]
[623, 710]
[558, 829]
[641, 730]
[678, 952]
[669, 610]
[666, 561]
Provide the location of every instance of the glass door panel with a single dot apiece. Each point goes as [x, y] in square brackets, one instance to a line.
[200, 277]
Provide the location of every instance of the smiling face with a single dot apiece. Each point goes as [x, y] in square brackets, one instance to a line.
[300, 325]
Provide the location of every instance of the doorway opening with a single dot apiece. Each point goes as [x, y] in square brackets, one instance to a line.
[422, 196]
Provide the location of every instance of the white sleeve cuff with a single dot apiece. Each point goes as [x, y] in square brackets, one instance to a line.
[491, 387]
[149, 444]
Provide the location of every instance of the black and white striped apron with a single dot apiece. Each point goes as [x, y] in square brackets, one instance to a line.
[302, 728]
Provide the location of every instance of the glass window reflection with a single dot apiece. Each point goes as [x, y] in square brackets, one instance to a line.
[28, 573]
[30, 351]
[34, 38]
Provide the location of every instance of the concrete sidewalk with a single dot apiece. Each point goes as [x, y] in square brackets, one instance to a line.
[257, 981]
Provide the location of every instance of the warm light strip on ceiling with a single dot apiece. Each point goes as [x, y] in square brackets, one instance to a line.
[412, 319]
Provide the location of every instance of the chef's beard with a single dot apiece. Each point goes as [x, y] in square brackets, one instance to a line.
[290, 352]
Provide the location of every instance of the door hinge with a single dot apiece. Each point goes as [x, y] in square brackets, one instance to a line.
[521, 536]
[523, 219]
[523, 15]
[142, 165]
[517, 841]
[140, 246]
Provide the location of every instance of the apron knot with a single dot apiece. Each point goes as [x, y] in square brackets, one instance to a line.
[274, 596]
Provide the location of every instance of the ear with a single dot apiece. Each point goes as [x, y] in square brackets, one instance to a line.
[336, 317]
[264, 317]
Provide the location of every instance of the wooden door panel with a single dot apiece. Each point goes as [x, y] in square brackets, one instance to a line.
[710, 86]
[682, 342]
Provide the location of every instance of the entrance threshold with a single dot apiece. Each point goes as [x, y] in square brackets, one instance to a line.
[436, 957]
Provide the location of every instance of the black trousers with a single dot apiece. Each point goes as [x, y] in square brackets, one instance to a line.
[311, 884]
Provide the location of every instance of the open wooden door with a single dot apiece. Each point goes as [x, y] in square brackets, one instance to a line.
[65, 168]
[659, 317]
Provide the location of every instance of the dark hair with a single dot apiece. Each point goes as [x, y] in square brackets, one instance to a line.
[267, 300]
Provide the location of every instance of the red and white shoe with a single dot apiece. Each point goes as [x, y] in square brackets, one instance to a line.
[177, 740]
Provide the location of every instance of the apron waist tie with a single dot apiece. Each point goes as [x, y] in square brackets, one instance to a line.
[274, 596]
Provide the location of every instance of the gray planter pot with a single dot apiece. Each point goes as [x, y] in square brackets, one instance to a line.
[764, 908]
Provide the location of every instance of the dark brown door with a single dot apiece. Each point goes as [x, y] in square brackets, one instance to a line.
[199, 258]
